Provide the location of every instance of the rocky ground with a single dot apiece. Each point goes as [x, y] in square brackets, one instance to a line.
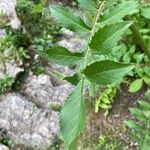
[25, 117]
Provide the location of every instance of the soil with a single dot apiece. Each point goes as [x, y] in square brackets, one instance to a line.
[112, 126]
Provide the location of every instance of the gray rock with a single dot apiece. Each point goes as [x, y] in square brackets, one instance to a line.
[25, 124]
[3, 147]
[62, 69]
[8, 7]
[40, 91]
[10, 67]
[13, 68]
[71, 41]
[2, 33]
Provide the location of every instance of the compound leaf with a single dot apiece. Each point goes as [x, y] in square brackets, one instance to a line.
[90, 5]
[62, 56]
[138, 114]
[147, 94]
[68, 19]
[117, 13]
[73, 79]
[106, 72]
[72, 119]
[144, 105]
[146, 12]
[141, 126]
[106, 38]
[133, 125]
[110, 3]
[147, 80]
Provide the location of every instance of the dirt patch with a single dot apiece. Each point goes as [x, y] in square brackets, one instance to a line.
[112, 127]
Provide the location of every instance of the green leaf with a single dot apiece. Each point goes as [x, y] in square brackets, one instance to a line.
[104, 106]
[117, 13]
[110, 3]
[106, 72]
[136, 85]
[56, 74]
[73, 145]
[62, 56]
[144, 105]
[106, 100]
[141, 126]
[146, 144]
[39, 7]
[106, 38]
[132, 125]
[147, 94]
[74, 79]
[90, 5]
[138, 114]
[147, 80]
[68, 19]
[72, 119]
[145, 12]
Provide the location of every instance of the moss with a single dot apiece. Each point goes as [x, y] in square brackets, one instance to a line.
[6, 141]
[106, 142]
[5, 84]
[56, 146]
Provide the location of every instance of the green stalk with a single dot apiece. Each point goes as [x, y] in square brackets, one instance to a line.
[140, 40]
[73, 146]
[93, 30]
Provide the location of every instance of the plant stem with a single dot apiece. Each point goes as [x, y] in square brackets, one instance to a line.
[73, 146]
[92, 34]
[93, 30]
[140, 40]
[88, 42]
[99, 10]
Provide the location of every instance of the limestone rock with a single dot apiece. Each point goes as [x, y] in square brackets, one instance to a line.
[13, 68]
[71, 41]
[3, 147]
[40, 90]
[8, 7]
[2, 33]
[10, 66]
[26, 124]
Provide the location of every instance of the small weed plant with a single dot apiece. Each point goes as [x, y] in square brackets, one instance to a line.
[141, 124]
